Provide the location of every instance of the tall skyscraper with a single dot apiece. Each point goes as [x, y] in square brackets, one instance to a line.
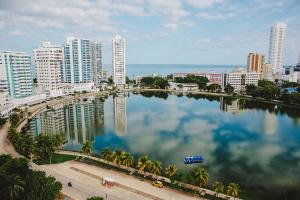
[83, 61]
[48, 65]
[16, 74]
[118, 60]
[277, 36]
[96, 63]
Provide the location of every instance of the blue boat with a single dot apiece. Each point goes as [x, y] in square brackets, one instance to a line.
[193, 159]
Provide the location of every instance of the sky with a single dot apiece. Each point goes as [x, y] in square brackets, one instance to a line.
[156, 31]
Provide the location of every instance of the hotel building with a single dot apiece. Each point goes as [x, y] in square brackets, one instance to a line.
[277, 36]
[118, 61]
[82, 61]
[16, 74]
[49, 64]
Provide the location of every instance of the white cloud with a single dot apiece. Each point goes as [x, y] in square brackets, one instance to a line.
[187, 23]
[16, 33]
[203, 3]
[218, 16]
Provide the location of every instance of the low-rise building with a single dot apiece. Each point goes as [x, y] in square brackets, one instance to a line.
[239, 79]
[138, 80]
[212, 77]
[184, 86]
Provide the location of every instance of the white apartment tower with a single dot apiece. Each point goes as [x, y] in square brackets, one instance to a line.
[16, 74]
[48, 60]
[82, 61]
[118, 60]
[277, 36]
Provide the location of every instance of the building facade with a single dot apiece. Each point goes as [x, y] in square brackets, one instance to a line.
[277, 36]
[105, 75]
[239, 80]
[48, 60]
[16, 74]
[82, 61]
[118, 61]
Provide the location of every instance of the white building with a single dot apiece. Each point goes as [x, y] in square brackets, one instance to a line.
[82, 61]
[239, 79]
[138, 80]
[277, 36]
[105, 75]
[48, 60]
[16, 74]
[118, 61]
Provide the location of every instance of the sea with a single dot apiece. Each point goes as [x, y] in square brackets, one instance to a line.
[133, 70]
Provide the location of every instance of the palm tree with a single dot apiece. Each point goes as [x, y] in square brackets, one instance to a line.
[58, 140]
[116, 156]
[105, 154]
[14, 119]
[127, 159]
[87, 148]
[171, 170]
[15, 185]
[233, 189]
[201, 176]
[143, 163]
[156, 167]
[218, 187]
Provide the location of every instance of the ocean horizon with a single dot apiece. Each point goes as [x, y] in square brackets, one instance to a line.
[133, 70]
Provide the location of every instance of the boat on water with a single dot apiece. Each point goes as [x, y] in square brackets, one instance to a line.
[193, 159]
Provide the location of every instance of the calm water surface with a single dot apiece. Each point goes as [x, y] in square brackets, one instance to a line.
[254, 145]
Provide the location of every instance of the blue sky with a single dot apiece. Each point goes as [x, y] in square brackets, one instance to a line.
[156, 31]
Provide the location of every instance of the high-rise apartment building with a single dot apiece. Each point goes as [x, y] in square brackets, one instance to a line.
[255, 62]
[48, 60]
[277, 36]
[82, 61]
[118, 61]
[16, 74]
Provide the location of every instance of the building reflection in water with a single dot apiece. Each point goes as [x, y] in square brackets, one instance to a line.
[78, 121]
[231, 106]
[120, 120]
[270, 123]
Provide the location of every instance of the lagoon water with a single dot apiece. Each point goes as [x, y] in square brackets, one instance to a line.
[254, 145]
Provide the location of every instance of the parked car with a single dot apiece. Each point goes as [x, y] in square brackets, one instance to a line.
[158, 184]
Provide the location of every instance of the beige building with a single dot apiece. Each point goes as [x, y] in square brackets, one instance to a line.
[48, 59]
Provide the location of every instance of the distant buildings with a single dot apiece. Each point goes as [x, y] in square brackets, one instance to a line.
[16, 74]
[239, 79]
[82, 61]
[138, 80]
[48, 60]
[105, 75]
[118, 61]
[257, 63]
[277, 36]
[212, 77]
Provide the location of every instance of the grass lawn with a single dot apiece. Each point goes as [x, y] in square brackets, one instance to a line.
[56, 158]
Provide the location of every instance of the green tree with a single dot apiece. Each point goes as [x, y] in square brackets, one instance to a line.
[201, 176]
[127, 159]
[58, 140]
[171, 170]
[42, 187]
[105, 154]
[251, 89]
[45, 147]
[144, 164]
[95, 198]
[229, 89]
[147, 81]
[15, 185]
[156, 167]
[14, 119]
[214, 87]
[87, 148]
[116, 156]
[218, 187]
[161, 82]
[2, 121]
[233, 189]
